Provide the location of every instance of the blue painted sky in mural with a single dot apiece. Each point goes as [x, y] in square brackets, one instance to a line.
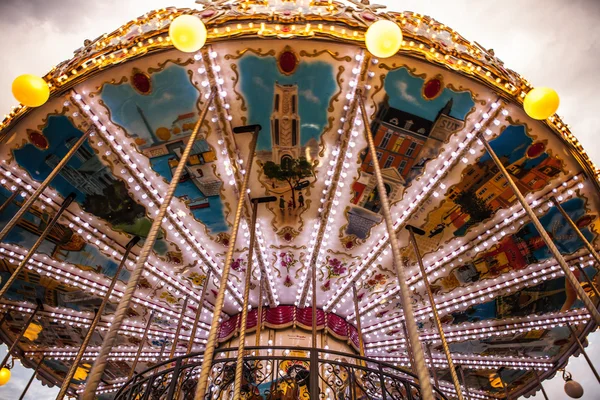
[316, 86]
[404, 91]
[172, 95]
[563, 236]
[513, 142]
[58, 130]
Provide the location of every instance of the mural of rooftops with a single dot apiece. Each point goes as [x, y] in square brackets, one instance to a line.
[409, 129]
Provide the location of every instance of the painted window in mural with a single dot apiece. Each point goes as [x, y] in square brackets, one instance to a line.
[408, 131]
[161, 121]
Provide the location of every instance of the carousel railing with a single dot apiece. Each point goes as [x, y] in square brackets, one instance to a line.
[277, 373]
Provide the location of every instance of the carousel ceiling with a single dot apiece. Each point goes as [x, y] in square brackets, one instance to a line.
[297, 71]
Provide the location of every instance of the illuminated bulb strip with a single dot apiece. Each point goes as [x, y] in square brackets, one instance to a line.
[135, 175]
[234, 158]
[540, 204]
[83, 319]
[336, 175]
[80, 318]
[498, 328]
[87, 223]
[439, 361]
[68, 274]
[531, 276]
[426, 190]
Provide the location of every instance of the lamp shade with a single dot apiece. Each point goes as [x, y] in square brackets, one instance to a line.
[540, 103]
[383, 38]
[30, 90]
[4, 376]
[188, 33]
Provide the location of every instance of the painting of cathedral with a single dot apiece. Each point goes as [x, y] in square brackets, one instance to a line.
[292, 110]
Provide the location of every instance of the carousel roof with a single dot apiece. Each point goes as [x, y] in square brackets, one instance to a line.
[296, 70]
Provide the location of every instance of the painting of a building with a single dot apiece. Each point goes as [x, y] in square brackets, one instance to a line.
[485, 183]
[404, 143]
[91, 177]
[285, 125]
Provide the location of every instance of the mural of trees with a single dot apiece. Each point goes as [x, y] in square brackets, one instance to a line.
[292, 172]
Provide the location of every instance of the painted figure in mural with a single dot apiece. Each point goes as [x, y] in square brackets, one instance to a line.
[300, 200]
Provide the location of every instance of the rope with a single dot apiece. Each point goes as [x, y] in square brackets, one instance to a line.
[411, 324]
[121, 312]
[214, 326]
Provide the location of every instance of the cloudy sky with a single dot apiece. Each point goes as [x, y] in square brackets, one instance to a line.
[552, 43]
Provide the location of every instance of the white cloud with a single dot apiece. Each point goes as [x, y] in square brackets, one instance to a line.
[311, 126]
[258, 81]
[309, 95]
[403, 91]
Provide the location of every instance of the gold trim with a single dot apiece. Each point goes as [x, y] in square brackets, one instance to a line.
[335, 55]
[258, 52]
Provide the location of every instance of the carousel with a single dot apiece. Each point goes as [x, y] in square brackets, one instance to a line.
[290, 199]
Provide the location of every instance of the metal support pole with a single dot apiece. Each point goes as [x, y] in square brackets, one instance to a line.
[537, 377]
[198, 313]
[96, 320]
[8, 201]
[178, 330]
[570, 278]
[433, 371]
[121, 312]
[37, 367]
[259, 313]
[587, 244]
[582, 350]
[436, 316]
[239, 364]
[13, 277]
[212, 335]
[22, 332]
[409, 317]
[361, 342]
[27, 204]
[314, 390]
[462, 377]
[139, 352]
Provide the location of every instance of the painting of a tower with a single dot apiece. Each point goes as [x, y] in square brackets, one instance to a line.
[285, 125]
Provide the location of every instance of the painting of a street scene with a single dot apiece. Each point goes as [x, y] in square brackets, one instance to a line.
[63, 244]
[292, 109]
[160, 112]
[414, 120]
[523, 248]
[85, 175]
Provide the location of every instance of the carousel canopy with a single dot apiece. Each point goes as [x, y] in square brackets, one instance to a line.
[297, 70]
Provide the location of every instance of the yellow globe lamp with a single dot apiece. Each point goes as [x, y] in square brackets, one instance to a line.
[188, 33]
[4, 376]
[541, 103]
[30, 90]
[383, 38]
